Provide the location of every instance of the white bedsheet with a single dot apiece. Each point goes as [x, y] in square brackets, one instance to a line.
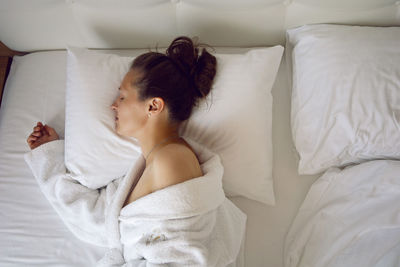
[349, 218]
[31, 233]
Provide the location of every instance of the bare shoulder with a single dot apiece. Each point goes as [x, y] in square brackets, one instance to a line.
[175, 163]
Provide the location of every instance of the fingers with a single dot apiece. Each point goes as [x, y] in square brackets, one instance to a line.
[31, 139]
[41, 134]
[50, 131]
[38, 127]
[46, 130]
[33, 142]
[39, 123]
[37, 134]
[41, 129]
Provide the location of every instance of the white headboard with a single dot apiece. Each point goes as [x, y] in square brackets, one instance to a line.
[27, 25]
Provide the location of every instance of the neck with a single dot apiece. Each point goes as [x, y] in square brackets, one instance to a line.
[154, 136]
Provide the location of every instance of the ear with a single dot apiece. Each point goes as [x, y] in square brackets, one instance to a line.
[155, 105]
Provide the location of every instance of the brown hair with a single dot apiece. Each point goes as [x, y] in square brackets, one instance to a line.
[180, 76]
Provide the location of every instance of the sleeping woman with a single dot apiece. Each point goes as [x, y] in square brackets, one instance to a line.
[170, 208]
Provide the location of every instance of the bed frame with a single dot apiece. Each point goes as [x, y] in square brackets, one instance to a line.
[50, 25]
[6, 55]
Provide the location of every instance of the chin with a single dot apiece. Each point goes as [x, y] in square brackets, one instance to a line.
[118, 130]
[121, 133]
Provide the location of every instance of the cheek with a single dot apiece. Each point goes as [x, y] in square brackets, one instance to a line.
[131, 116]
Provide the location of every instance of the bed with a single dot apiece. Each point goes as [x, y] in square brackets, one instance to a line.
[32, 233]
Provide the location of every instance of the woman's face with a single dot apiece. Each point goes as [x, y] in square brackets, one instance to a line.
[130, 113]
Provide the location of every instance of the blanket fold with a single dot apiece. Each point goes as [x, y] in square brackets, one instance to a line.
[349, 217]
[190, 223]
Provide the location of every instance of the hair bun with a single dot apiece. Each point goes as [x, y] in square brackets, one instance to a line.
[183, 53]
[204, 73]
[201, 70]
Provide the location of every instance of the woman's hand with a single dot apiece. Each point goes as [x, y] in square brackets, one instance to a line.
[41, 135]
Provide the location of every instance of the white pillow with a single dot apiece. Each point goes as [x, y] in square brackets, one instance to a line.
[234, 121]
[94, 153]
[345, 94]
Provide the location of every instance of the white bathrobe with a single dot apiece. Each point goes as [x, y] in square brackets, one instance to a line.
[187, 224]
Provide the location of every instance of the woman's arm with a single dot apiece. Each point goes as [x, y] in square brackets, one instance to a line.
[82, 209]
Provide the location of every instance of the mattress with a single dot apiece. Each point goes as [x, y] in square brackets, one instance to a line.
[31, 233]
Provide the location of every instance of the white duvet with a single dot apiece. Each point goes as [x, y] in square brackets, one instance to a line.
[191, 223]
[349, 218]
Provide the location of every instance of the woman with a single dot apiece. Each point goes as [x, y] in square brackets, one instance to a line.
[170, 207]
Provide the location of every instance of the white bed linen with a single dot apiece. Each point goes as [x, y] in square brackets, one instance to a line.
[351, 76]
[350, 217]
[31, 233]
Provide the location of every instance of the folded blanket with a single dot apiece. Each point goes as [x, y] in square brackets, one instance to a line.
[350, 217]
[191, 223]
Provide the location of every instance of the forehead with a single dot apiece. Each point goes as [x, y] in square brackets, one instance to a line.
[130, 79]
